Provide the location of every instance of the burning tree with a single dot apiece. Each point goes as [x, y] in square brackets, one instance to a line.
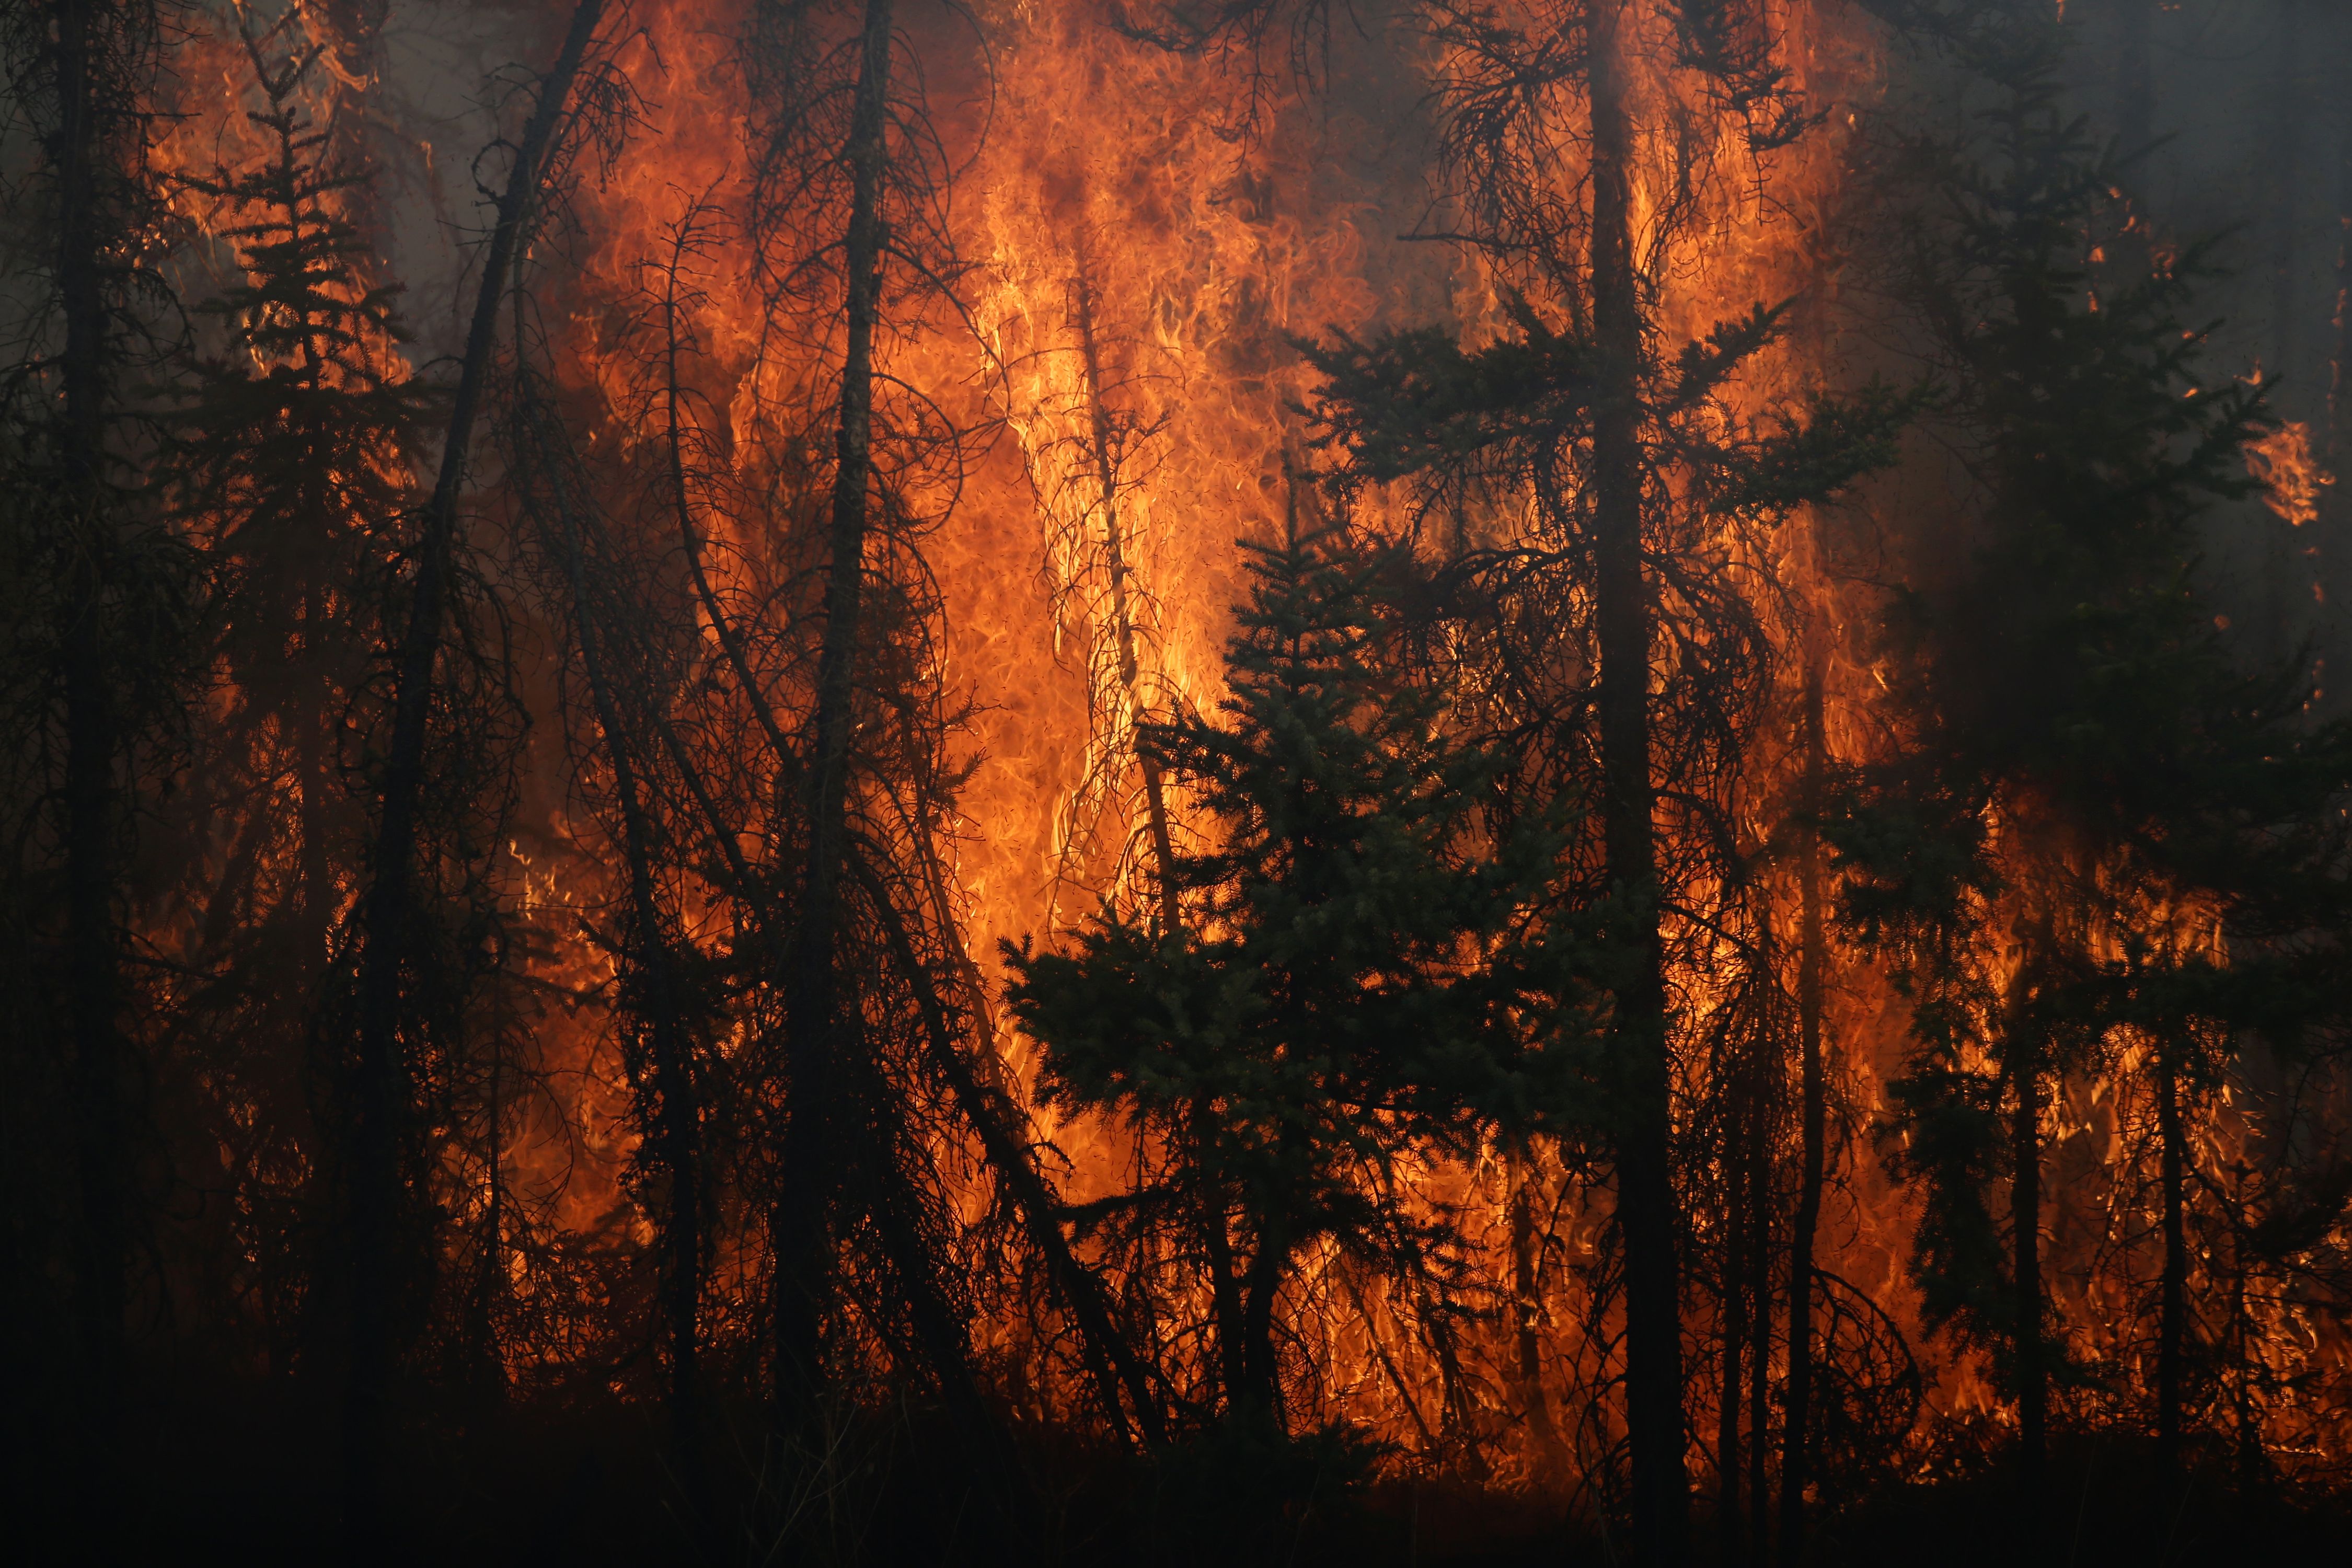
[2105, 836]
[514, 802]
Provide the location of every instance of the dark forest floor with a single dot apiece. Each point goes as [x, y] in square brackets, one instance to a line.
[248, 1475]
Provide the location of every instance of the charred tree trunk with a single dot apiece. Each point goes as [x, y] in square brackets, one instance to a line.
[1110, 1363]
[2173, 1308]
[1155, 792]
[1813, 1121]
[380, 1090]
[1733, 1286]
[1760, 1326]
[2025, 1090]
[2284, 158]
[1261, 1398]
[1642, 1113]
[1224, 1285]
[85, 55]
[801, 1230]
[1527, 1310]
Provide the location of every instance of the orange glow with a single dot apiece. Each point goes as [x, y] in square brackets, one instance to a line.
[1137, 265]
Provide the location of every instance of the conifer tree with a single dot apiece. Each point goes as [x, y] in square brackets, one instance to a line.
[2090, 772]
[1642, 487]
[289, 458]
[848, 224]
[1333, 992]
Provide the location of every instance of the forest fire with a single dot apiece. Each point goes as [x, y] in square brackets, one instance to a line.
[1112, 781]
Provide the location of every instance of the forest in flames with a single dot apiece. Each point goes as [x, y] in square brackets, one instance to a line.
[1172, 781]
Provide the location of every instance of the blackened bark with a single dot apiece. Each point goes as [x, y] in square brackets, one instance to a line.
[1759, 1324]
[1526, 1312]
[90, 112]
[1642, 1113]
[1224, 1286]
[800, 1226]
[731, 641]
[2284, 158]
[1733, 1286]
[1812, 1117]
[1260, 1397]
[380, 1089]
[2172, 1312]
[1155, 792]
[1227, 1304]
[2025, 1089]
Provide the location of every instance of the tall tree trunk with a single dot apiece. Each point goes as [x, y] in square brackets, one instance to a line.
[1130, 676]
[2284, 158]
[2025, 1089]
[2173, 1309]
[1733, 1286]
[1643, 1113]
[78, 151]
[1261, 1377]
[2252, 1459]
[1224, 1284]
[1759, 1322]
[379, 1092]
[1796, 1454]
[1527, 1310]
[801, 1228]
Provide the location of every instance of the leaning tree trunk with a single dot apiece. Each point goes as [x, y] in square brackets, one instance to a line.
[1110, 1363]
[1642, 1111]
[801, 1226]
[380, 1097]
[676, 1128]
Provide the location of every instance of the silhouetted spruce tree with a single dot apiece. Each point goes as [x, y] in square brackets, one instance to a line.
[2089, 772]
[1332, 995]
[289, 458]
[1617, 643]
